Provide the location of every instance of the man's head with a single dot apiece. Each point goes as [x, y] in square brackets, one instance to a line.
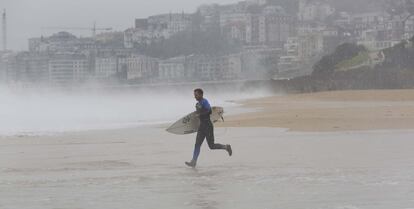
[198, 94]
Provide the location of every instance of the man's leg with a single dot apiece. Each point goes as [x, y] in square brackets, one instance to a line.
[212, 145]
[197, 147]
[199, 141]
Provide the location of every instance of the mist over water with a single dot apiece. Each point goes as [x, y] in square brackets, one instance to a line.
[47, 112]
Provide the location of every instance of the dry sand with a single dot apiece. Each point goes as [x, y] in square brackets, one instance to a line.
[330, 111]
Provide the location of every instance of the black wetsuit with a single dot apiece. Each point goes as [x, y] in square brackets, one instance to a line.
[206, 129]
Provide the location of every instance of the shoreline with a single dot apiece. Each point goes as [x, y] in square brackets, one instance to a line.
[333, 111]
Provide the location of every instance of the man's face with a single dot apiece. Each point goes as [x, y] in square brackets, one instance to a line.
[197, 96]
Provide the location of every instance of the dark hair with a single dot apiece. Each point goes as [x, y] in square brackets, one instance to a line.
[199, 91]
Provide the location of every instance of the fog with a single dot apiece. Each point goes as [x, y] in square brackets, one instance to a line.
[27, 17]
[49, 112]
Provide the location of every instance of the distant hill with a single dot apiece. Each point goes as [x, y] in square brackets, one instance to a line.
[395, 72]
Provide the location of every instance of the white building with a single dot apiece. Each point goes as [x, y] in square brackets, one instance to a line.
[173, 69]
[304, 46]
[300, 51]
[178, 23]
[256, 2]
[409, 28]
[288, 63]
[233, 25]
[375, 45]
[310, 46]
[269, 29]
[36, 68]
[368, 19]
[200, 67]
[292, 46]
[68, 70]
[139, 36]
[209, 67]
[156, 28]
[314, 10]
[382, 32]
[138, 67]
[24, 67]
[109, 37]
[343, 19]
[278, 28]
[256, 29]
[306, 28]
[105, 67]
[231, 18]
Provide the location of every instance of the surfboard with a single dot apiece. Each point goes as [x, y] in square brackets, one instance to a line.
[190, 123]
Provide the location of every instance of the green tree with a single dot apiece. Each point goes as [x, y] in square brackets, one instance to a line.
[326, 65]
[191, 42]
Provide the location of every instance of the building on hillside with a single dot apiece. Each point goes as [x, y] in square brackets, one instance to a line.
[138, 67]
[67, 70]
[105, 67]
[314, 10]
[62, 43]
[172, 70]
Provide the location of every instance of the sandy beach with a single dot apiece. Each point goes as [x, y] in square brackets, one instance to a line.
[330, 111]
[337, 150]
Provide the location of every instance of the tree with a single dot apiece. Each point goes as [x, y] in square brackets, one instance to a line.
[191, 42]
[400, 56]
[326, 65]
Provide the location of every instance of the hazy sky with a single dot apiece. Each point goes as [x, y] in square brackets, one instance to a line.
[26, 17]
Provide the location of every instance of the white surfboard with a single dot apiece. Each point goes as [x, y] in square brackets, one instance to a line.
[190, 123]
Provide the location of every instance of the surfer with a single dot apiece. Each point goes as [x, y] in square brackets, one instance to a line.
[206, 129]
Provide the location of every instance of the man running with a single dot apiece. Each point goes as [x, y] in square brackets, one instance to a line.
[206, 129]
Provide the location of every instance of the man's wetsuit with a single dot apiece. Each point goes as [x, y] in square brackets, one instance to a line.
[206, 129]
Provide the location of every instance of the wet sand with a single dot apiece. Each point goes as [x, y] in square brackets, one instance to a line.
[271, 168]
